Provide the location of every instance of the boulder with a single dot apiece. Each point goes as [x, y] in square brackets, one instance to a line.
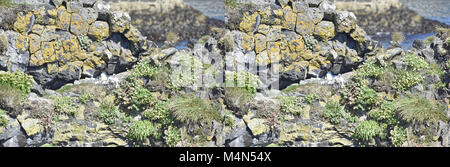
[64, 41]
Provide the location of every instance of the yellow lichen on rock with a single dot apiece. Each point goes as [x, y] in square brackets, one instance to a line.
[248, 23]
[263, 29]
[248, 42]
[304, 24]
[291, 132]
[133, 34]
[67, 132]
[23, 22]
[94, 61]
[80, 55]
[359, 34]
[48, 52]
[35, 43]
[63, 19]
[22, 43]
[262, 59]
[71, 66]
[268, 17]
[297, 45]
[36, 59]
[260, 43]
[273, 51]
[290, 18]
[99, 30]
[324, 30]
[52, 68]
[78, 26]
[44, 17]
[37, 29]
[307, 55]
[71, 45]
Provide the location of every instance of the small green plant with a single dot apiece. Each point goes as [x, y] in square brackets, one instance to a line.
[417, 109]
[415, 63]
[370, 69]
[229, 120]
[407, 79]
[290, 104]
[310, 41]
[47, 145]
[366, 98]
[108, 112]
[3, 119]
[17, 80]
[72, 87]
[6, 3]
[291, 88]
[231, 3]
[84, 41]
[144, 69]
[65, 105]
[429, 39]
[85, 98]
[134, 96]
[140, 98]
[237, 99]
[359, 96]
[435, 69]
[368, 130]
[386, 113]
[142, 130]
[447, 64]
[193, 110]
[398, 136]
[172, 136]
[334, 112]
[310, 98]
[243, 79]
[159, 113]
[203, 39]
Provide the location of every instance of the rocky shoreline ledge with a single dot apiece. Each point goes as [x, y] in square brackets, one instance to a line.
[381, 17]
[282, 73]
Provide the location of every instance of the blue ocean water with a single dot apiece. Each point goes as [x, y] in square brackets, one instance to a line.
[181, 45]
[407, 43]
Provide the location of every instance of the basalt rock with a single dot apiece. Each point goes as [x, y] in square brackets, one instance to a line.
[64, 41]
[300, 39]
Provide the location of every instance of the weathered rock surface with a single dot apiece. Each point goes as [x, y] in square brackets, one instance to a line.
[298, 39]
[64, 41]
[168, 21]
[387, 16]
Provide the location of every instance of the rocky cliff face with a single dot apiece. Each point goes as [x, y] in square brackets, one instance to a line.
[305, 38]
[337, 87]
[65, 41]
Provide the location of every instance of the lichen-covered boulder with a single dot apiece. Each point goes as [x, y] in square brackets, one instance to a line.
[64, 41]
[17, 55]
[120, 21]
[99, 30]
[299, 39]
